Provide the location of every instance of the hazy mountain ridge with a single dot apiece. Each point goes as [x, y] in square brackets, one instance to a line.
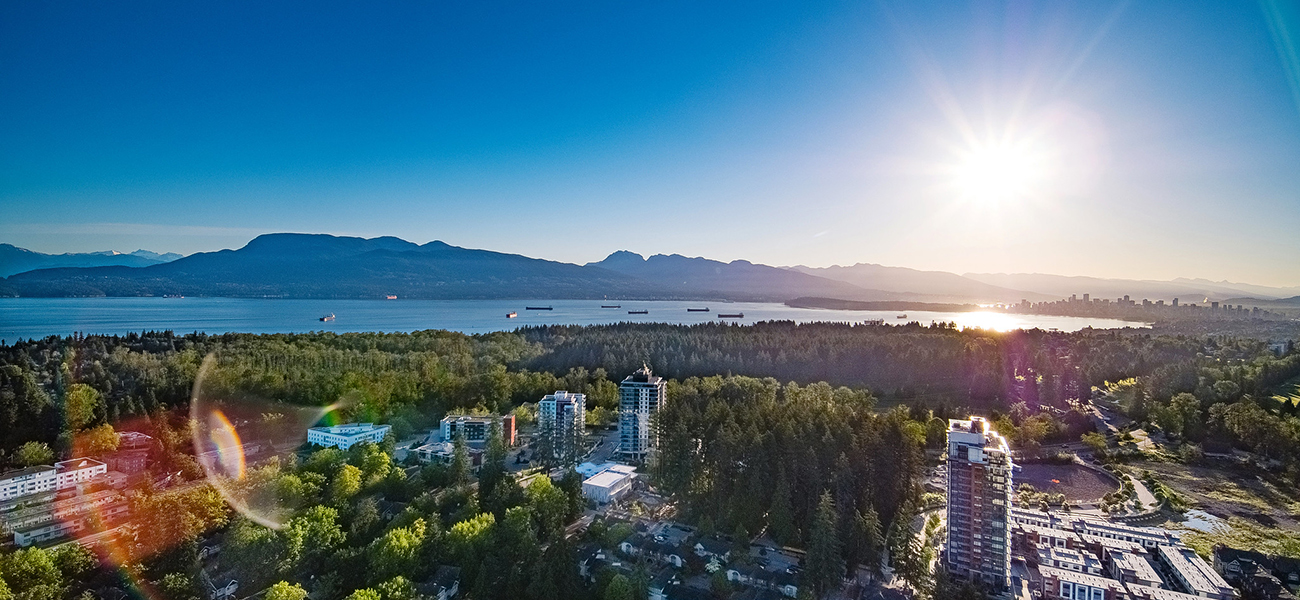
[326, 266]
[738, 278]
[936, 286]
[15, 260]
[1186, 290]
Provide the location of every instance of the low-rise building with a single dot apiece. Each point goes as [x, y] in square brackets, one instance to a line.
[758, 577]
[476, 428]
[609, 485]
[27, 481]
[106, 505]
[76, 471]
[443, 585]
[1132, 567]
[1061, 584]
[1079, 561]
[647, 547]
[1192, 574]
[1146, 592]
[445, 453]
[1030, 537]
[1148, 537]
[347, 436]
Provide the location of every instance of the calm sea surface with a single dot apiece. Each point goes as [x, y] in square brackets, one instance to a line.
[22, 318]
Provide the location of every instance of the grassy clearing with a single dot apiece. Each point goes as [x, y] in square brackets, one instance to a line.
[1258, 513]
[1289, 392]
[1242, 533]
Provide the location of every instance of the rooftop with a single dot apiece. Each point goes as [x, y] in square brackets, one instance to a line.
[1135, 563]
[1154, 593]
[1096, 581]
[24, 471]
[1198, 574]
[606, 478]
[643, 375]
[77, 463]
[350, 428]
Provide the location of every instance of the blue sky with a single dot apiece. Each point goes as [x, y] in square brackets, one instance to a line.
[1163, 137]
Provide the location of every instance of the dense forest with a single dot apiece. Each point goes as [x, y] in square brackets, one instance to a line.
[811, 434]
[410, 379]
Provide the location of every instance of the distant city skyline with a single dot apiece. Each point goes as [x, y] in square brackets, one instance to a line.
[1125, 140]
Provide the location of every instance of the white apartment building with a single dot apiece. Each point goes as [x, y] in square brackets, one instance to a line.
[562, 421]
[28, 481]
[44, 478]
[640, 396]
[979, 503]
[347, 436]
[70, 473]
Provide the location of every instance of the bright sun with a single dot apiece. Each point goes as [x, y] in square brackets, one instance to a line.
[993, 174]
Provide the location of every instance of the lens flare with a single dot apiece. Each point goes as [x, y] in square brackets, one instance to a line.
[242, 438]
[228, 459]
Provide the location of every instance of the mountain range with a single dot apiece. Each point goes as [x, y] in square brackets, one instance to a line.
[326, 266]
[18, 260]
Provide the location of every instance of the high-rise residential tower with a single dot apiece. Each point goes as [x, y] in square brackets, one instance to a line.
[561, 423]
[979, 503]
[640, 396]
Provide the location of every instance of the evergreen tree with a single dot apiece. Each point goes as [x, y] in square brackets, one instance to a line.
[460, 467]
[780, 517]
[825, 564]
[554, 575]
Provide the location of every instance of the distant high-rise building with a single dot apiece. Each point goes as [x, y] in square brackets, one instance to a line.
[979, 503]
[561, 423]
[1087, 297]
[1175, 302]
[640, 397]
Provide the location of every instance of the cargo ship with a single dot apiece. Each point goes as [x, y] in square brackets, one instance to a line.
[537, 308]
[329, 317]
[638, 312]
[391, 297]
[511, 315]
[902, 316]
[611, 306]
[705, 309]
[735, 316]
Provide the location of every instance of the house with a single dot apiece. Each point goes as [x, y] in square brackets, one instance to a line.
[652, 549]
[590, 558]
[1228, 563]
[712, 547]
[444, 584]
[757, 577]
[663, 581]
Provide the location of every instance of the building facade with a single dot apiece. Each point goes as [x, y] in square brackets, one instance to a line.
[979, 503]
[70, 473]
[640, 396]
[346, 436]
[561, 424]
[28, 481]
[476, 428]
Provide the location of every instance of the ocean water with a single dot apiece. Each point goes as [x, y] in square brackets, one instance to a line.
[22, 318]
